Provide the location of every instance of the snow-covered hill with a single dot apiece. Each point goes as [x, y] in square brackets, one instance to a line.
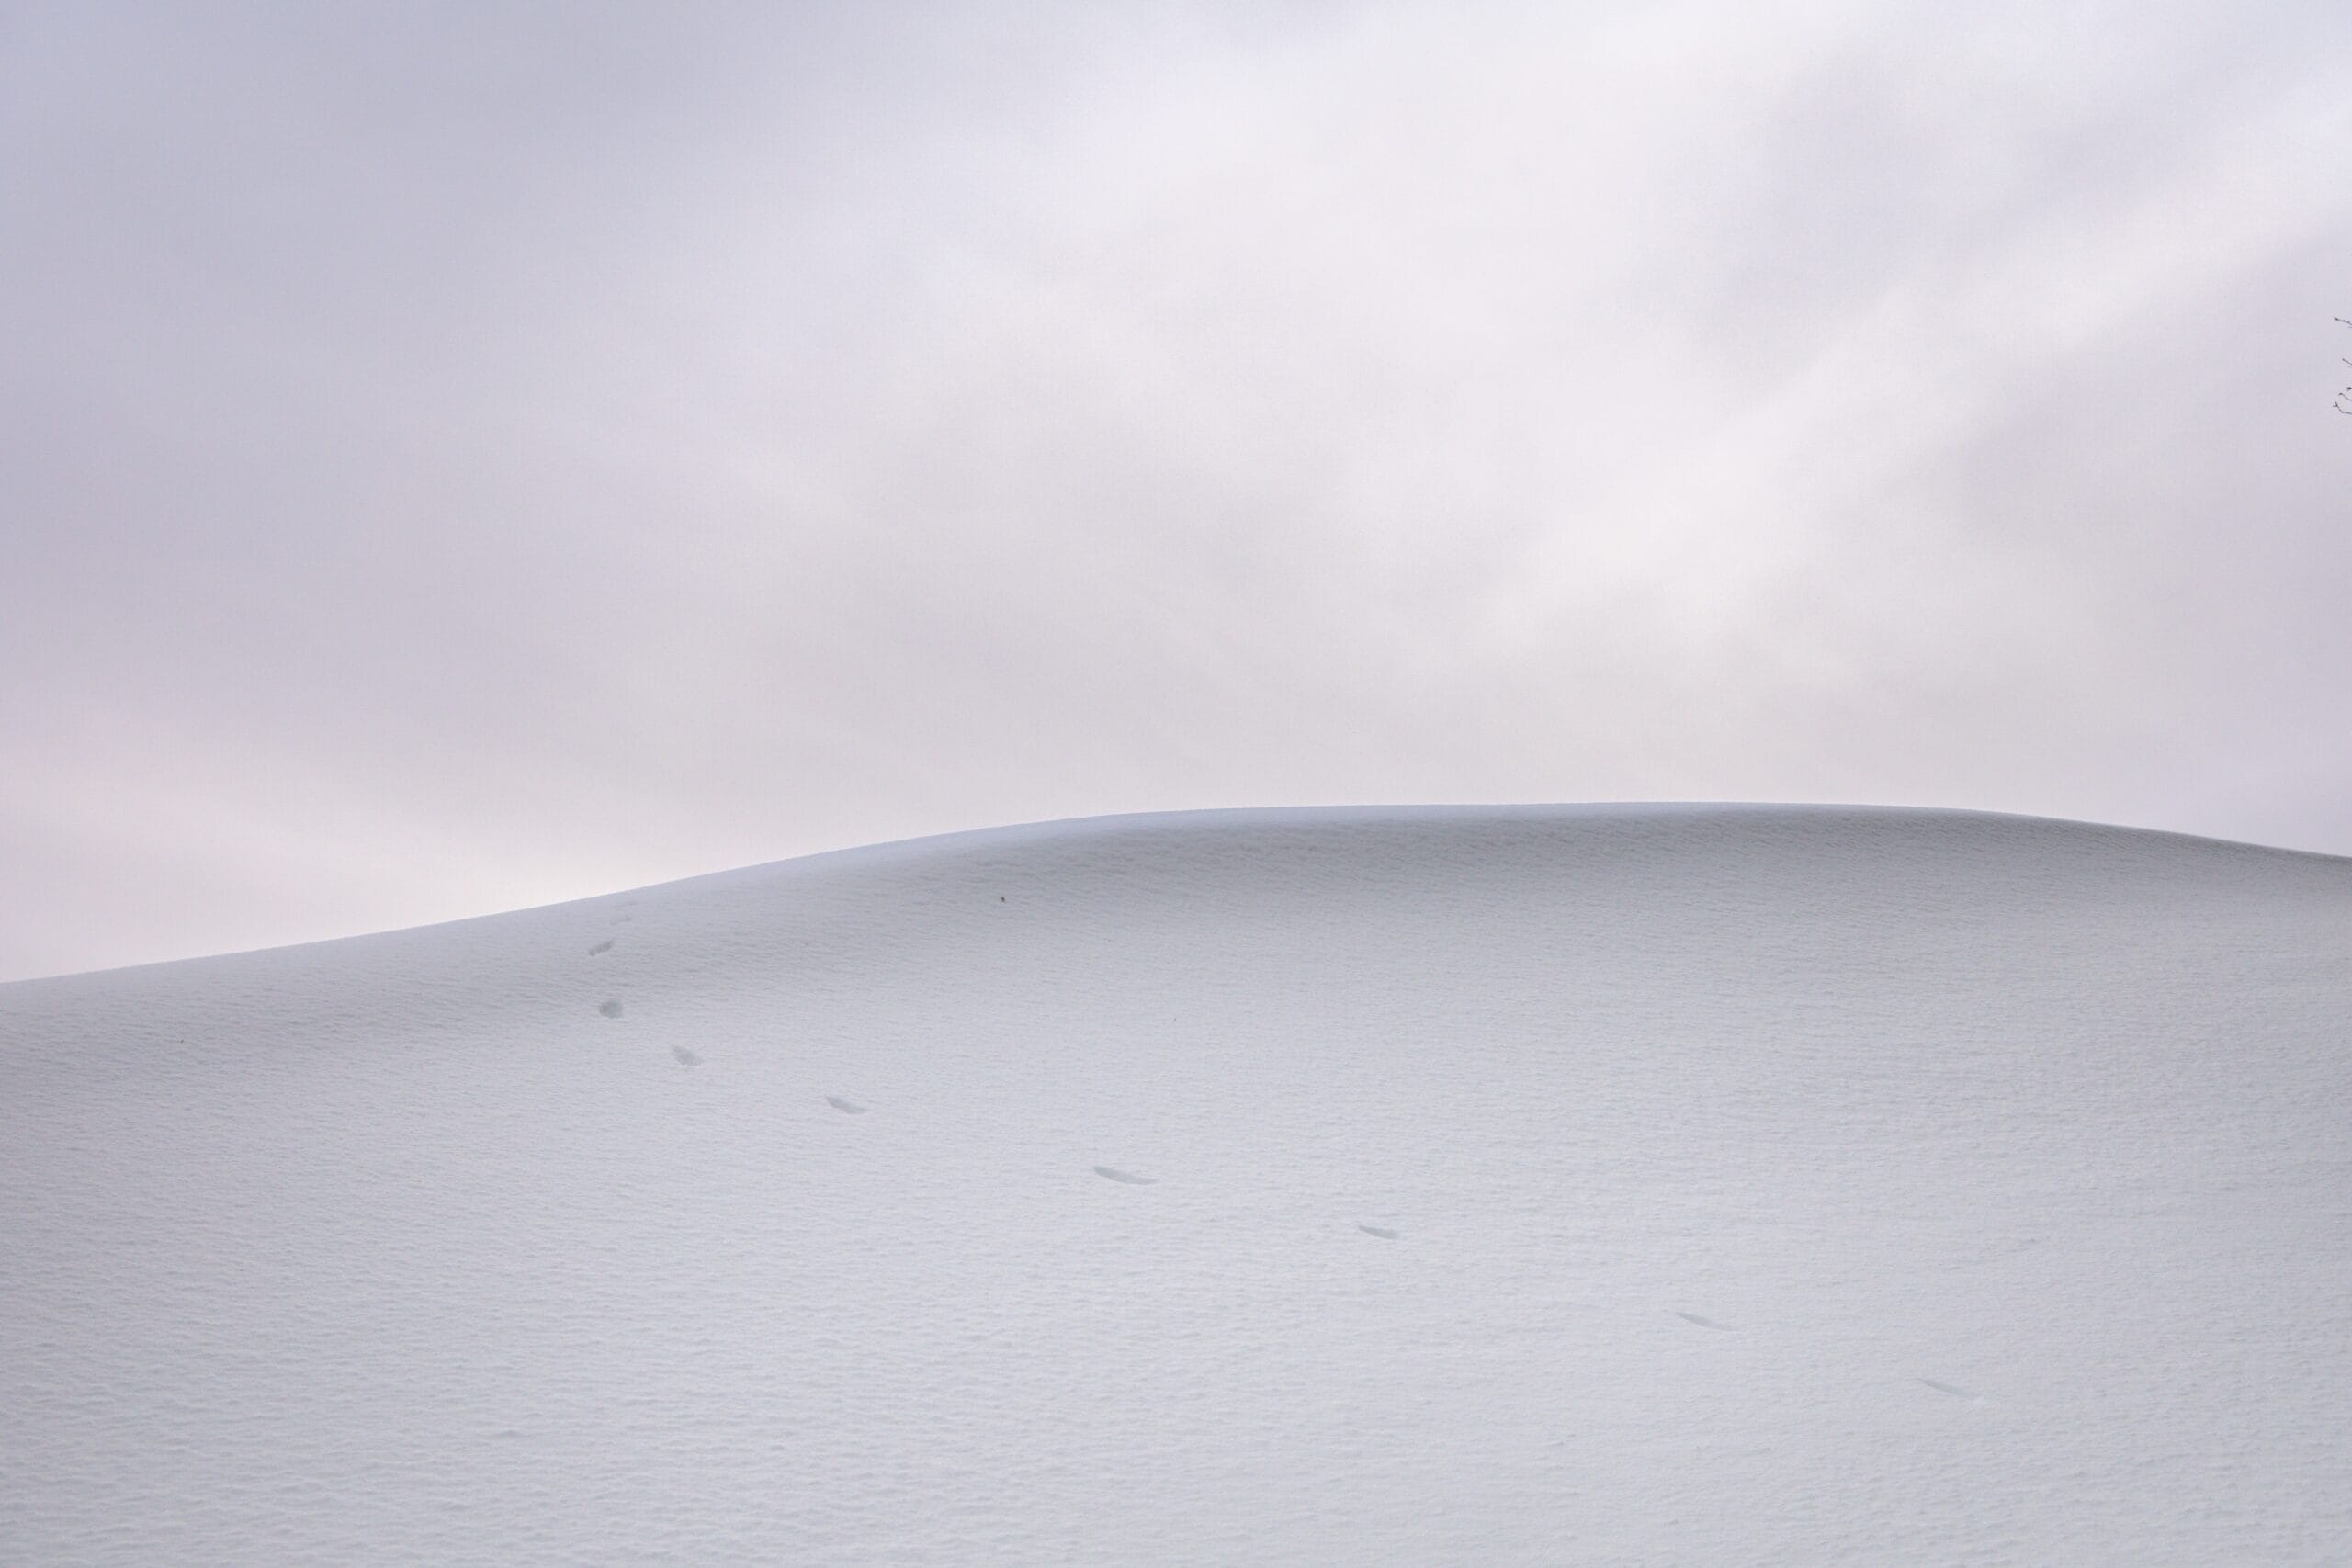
[1624, 1185]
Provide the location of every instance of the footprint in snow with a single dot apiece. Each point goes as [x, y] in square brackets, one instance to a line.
[1946, 1388]
[603, 946]
[1383, 1232]
[844, 1106]
[1107, 1173]
[1703, 1321]
[685, 1058]
[610, 1010]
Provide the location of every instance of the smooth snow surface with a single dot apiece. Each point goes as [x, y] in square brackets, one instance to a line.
[1642, 1185]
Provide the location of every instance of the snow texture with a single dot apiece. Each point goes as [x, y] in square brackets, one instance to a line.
[1610, 1185]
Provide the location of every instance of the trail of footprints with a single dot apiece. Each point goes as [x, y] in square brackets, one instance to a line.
[611, 1007]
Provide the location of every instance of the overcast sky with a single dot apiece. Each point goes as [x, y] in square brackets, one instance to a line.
[459, 457]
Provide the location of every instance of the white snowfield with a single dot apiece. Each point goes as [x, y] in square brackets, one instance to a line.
[1609, 1185]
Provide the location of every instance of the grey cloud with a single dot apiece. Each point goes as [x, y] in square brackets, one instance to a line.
[455, 458]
